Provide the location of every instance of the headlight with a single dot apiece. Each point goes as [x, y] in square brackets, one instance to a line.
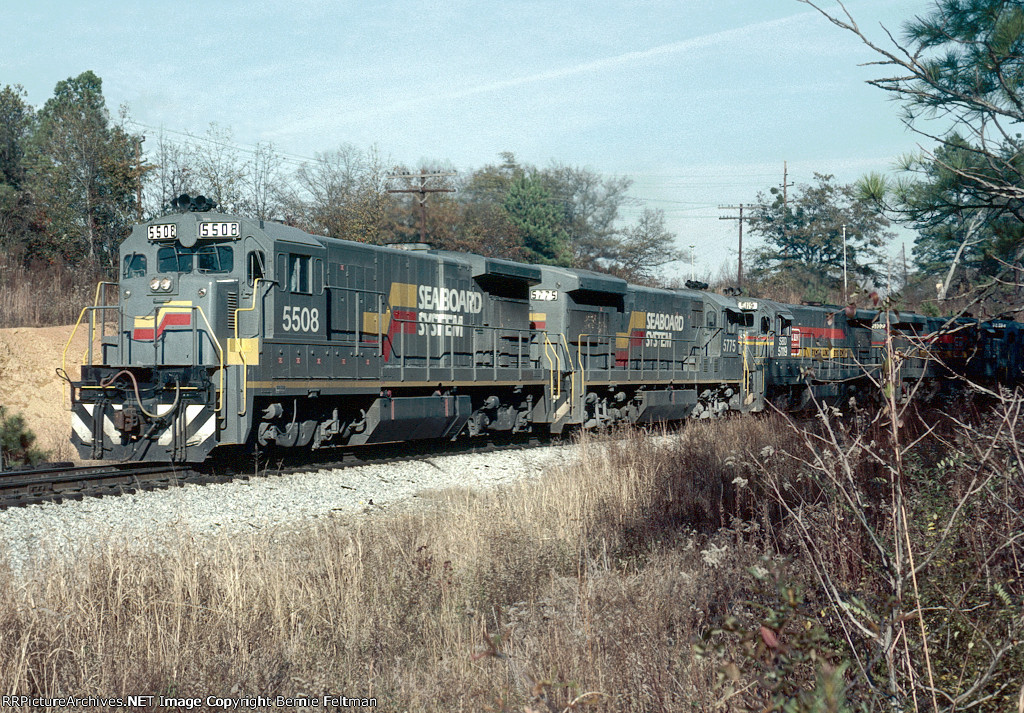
[127, 294]
[202, 292]
[154, 284]
[165, 284]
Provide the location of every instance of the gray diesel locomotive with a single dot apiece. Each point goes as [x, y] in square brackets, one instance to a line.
[235, 332]
[230, 331]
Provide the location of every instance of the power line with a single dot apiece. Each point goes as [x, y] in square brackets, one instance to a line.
[293, 158]
[695, 175]
[422, 190]
[739, 219]
[301, 160]
[669, 200]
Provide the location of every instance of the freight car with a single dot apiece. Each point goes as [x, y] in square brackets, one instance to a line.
[235, 332]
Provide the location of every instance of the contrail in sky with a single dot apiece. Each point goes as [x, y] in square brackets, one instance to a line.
[620, 60]
[625, 59]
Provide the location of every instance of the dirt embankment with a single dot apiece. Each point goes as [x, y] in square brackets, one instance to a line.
[29, 385]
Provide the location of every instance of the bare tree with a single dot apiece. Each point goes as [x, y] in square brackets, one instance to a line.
[956, 72]
[645, 247]
[343, 194]
[219, 170]
[264, 183]
[174, 172]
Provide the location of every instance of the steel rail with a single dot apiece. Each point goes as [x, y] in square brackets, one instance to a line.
[55, 483]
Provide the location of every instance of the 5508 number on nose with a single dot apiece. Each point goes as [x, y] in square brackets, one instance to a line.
[300, 319]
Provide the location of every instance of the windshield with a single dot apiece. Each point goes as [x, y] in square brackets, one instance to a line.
[134, 265]
[204, 258]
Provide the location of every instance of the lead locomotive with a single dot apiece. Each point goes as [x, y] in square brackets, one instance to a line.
[235, 332]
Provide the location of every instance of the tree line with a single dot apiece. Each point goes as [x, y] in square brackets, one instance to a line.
[73, 180]
[957, 74]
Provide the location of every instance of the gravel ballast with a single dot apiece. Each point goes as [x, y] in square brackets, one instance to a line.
[280, 503]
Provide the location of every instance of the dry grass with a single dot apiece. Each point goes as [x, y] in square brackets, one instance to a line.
[592, 579]
[592, 582]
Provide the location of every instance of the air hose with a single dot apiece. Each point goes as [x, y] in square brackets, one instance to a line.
[138, 398]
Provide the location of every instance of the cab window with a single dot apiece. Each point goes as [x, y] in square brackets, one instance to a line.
[174, 260]
[255, 270]
[134, 265]
[215, 258]
[204, 258]
[298, 271]
[712, 319]
[737, 319]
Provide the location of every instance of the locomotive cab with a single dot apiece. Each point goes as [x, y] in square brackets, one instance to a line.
[173, 286]
[161, 385]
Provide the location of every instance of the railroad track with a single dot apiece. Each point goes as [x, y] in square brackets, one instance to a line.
[58, 482]
[383, 453]
[61, 482]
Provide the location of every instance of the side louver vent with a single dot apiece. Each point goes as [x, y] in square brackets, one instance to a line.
[232, 306]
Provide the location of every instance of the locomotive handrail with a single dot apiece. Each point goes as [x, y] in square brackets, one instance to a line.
[96, 303]
[219, 400]
[87, 355]
[748, 382]
[241, 352]
[67, 345]
[572, 377]
[92, 324]
[71, 337]
[643, 353]
[520, 336]
[556, 382]
[579, 360]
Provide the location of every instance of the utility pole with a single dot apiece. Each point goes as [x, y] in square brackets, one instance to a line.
[421, 190]
[903, 258]
[846, 287]
[786, 183]
[738, 218]
[785, 187]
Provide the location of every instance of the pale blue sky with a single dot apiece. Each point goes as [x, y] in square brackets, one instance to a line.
[698, 102]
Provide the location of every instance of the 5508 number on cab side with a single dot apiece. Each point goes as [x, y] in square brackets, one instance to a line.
[300, 319]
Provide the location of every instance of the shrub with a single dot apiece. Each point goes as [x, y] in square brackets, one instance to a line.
[17, 442]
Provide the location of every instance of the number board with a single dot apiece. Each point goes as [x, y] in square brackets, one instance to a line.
[544, 295]
[219, 230]
[168, 231]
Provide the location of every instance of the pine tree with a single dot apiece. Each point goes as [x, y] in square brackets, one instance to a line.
[538, 219]
[84, 173]
[17, 442]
